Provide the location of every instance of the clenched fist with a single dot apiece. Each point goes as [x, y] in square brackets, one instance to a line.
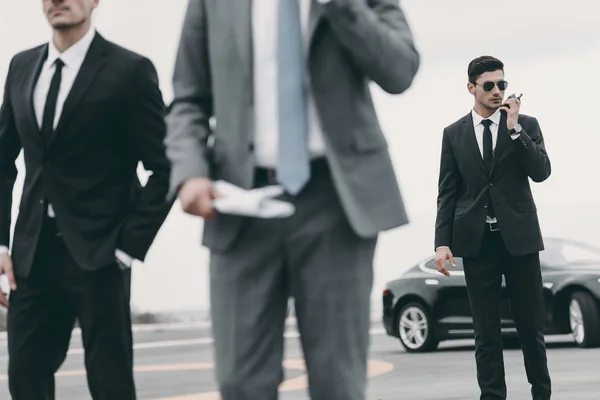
[196, 196]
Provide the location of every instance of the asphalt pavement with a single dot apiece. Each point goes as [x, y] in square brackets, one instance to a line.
[175, 363]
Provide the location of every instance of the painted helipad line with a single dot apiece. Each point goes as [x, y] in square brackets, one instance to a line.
[375, 368]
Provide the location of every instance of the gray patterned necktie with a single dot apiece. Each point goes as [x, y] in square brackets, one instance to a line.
[293, 166]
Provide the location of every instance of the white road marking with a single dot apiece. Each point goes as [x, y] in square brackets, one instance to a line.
[162, 327]
[203, 341]
[177, 343]
[182, 326]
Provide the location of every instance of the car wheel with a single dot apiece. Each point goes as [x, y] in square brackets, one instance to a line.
[584, 319]
[415, 328]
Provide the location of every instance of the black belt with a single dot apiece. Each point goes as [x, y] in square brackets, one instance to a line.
[268, 176]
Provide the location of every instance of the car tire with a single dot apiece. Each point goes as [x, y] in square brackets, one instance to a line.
[415, 328]
[584, 320]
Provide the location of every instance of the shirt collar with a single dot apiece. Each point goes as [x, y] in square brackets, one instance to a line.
[72, 57]
[495, 117]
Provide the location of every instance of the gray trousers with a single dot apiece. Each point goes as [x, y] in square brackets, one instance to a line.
[315, 257]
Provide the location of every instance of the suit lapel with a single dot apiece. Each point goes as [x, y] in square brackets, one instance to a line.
[93, 63]
[242, 25]
[30, 89]
[471, 142]
[500, 141]
[315, 17]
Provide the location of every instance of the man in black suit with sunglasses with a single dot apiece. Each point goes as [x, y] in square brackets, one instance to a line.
[486, 215]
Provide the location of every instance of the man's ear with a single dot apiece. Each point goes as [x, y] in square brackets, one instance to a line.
[471, 88]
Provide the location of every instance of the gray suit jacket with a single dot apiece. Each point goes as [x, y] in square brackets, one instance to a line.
[352, 42]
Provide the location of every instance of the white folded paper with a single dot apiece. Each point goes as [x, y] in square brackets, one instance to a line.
[259, 203]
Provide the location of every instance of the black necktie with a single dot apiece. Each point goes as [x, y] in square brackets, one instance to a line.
[488, 156]
[488, 153]
[50, 107]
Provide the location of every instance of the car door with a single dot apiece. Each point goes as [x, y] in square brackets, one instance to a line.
[454, 309]
[452, 305]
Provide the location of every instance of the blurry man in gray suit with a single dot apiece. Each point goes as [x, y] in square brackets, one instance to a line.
[287, 82]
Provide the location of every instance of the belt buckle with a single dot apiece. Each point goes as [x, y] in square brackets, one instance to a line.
[493, 226]
[271, 176]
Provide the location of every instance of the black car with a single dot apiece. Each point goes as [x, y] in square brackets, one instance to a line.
[424, 307]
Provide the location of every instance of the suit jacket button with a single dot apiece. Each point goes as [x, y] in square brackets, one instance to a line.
[491, 184]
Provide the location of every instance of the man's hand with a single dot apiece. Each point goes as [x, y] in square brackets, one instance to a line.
[6, 267]
[512, 113]
[441, 255]
[196, 196]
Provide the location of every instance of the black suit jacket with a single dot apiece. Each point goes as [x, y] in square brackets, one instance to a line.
[113, 118]
[464, 184]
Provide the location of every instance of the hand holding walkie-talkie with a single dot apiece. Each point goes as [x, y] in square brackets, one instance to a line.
[510, 108]
[512, 96]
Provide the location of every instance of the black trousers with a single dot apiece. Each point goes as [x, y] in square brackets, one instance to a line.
[41, 317]
[523, 277]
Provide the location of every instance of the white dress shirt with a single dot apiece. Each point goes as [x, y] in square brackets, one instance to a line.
[264, 34]
[72, 58]
[495, 118]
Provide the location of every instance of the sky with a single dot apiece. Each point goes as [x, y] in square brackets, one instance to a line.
[551, 55]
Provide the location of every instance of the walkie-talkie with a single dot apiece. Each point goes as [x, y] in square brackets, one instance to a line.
[512, 96]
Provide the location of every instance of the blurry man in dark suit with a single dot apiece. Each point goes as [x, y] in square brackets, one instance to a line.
[486, 215]
[85, 112]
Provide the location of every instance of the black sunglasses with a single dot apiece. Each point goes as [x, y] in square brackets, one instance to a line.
[488, 86]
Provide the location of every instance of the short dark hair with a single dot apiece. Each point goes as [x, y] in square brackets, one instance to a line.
[481, 65]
